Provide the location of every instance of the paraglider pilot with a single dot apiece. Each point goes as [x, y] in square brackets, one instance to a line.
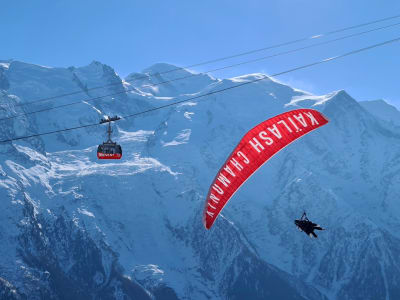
[308, 227]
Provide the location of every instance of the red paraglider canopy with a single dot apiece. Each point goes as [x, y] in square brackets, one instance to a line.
[256, 148]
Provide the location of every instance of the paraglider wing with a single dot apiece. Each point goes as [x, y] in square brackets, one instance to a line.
[255, 148]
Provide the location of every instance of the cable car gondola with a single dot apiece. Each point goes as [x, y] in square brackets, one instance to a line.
[109, 149]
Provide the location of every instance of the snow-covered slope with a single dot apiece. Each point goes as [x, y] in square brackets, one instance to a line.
[382, 110]
[87, 229]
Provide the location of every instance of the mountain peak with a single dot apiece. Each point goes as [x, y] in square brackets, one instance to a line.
[309, 100]
[163, 68]
[378, 102]
[169, 80]
[250, 77]
[383, 110]
[21, 65]
[5, 64]
[340, 101]
[96, 62]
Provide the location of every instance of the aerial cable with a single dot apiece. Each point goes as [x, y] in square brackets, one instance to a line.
[206, 72]
[217, 59]
[217, 91]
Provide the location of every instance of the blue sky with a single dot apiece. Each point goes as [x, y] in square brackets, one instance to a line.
[132, 35]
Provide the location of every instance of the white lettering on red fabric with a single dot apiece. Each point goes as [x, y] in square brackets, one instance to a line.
[236, 164]
[293, 123]
[312, 118]
[225, 181]
[256, 144]
[274, 130]
[263, 136]
[211, 214]
[286, 125]
[214, 198]
[246, 160]
[218, 189]
[229, 170]
[300, 119]
[213, 207]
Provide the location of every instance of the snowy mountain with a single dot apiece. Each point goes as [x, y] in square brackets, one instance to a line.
[76, 227]
[382, 110]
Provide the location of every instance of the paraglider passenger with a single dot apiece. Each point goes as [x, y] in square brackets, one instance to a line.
[308, 227]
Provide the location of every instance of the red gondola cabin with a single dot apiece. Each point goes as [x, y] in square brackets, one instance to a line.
[109, 149]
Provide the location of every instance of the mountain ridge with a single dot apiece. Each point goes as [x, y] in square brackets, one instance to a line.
[133, 227]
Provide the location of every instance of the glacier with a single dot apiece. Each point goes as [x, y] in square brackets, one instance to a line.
[75, 227]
